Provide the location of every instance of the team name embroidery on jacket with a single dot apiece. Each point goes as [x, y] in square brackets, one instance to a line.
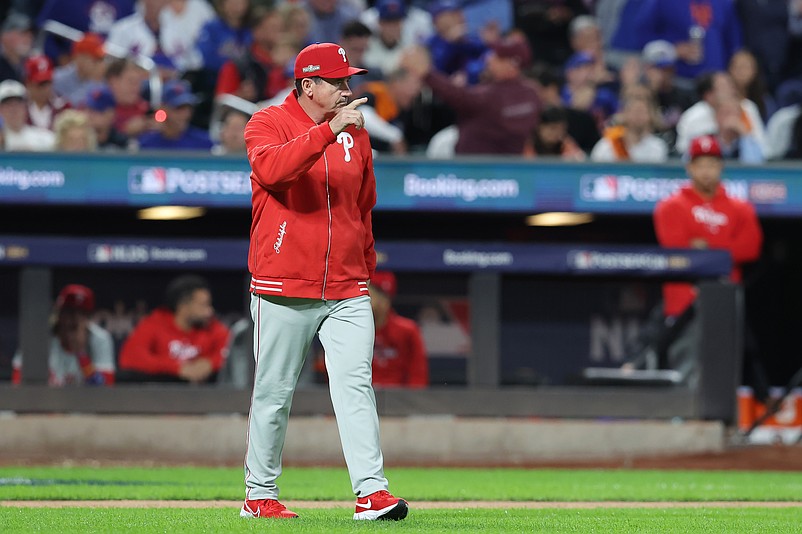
[282, 230]
[708, 216]
[347, 141]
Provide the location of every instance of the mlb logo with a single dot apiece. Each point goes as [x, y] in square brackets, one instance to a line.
[148, 180]
[600, 188]
[99, 253]
[581, 260]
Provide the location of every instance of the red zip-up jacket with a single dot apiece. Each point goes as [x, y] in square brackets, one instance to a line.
[313, 192]
[724, 222]
[158, 347]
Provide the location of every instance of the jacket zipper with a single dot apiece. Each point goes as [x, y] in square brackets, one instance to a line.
[328, 249]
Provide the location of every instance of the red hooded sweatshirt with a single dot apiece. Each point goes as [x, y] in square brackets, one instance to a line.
[724, 222]
[311, 234]
[157, 346]
[399, 354]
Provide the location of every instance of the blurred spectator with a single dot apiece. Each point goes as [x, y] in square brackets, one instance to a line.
[296, 24]
[582, 92]
[399, 354]
[74, 132]
[328, 19]
[545, 23]
[256, 76]
[125, 78]
[175, 132]
[232, 133]
[633, 139]
[416, 25]
[225, 37]
[550, 137]
[702, 215]
[735, 136]
[782, 139]
[96, 16]
[81, 352]
[749, 84]
[100, 109]
[582, 127]
[387, 101]
[16, 40]
[138, 33]
[355, 41]
[706, 33]
[43, 104]
[385, 45]
[17, 134]
[496, 116]
[180, 342]
[585, 37]
[454, 51]
[181, 22]
[85, 69]
[700, 118]
[766, 33]
[659, 60]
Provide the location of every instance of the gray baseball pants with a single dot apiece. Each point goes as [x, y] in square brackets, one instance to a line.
[284, 329]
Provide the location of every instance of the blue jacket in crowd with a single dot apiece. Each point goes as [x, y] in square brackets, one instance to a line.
[218, 42]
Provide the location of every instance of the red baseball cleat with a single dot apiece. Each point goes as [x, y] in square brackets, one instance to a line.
[266, 508]
[381, 505]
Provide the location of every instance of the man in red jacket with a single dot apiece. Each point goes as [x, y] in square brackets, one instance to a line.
[701, 215]
[399, 355]
[179, 342]
[311, 258]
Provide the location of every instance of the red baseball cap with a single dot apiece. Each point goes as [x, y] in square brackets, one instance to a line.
[384, 281]
[77, 297]
[327, 60]
[705, 145]
[38, 69]
[90, 44]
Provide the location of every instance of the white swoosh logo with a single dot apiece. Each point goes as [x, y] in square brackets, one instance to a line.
[366, 505]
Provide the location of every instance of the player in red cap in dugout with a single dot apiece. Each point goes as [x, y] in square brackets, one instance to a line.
[311, 258]
[81, 352]
[702, 215]
[399, 354]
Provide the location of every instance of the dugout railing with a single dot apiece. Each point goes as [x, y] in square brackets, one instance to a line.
[718, 344]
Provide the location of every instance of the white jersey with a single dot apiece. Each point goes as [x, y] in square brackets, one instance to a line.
[650, 149]
[64, 367]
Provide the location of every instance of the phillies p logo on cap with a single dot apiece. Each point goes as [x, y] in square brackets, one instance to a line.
[327, 60]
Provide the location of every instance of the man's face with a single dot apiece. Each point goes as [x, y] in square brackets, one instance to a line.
[356, 47]
[232, 134]
[406, 90]
[331, 94]
[125, 87]
[75, 139]
[178, 118]
[636, 115]
[88, 66]
[267, 32]
[198, 309]
[100, 120]
[40, 92]
[580, 75]
[552, 133]
[13, 112]
[390, 31]
[705, 173]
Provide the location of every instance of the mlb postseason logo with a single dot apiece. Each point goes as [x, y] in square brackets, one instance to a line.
[107, 253]
[147, 180]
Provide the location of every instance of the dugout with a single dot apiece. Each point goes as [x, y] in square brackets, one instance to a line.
[474, 204]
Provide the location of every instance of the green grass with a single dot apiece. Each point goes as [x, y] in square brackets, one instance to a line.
[608, 521]
[196, 483]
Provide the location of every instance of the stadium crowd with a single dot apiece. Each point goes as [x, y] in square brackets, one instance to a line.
[605, 80]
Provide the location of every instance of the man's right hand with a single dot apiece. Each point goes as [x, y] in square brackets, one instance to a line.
[348, 116]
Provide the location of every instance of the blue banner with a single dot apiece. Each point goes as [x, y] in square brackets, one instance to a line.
[579, 260]
[490, 185]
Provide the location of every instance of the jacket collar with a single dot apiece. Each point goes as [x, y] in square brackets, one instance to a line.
[294, 108]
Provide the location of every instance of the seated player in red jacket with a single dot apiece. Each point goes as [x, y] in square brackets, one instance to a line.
[399, 355]
[181, 342]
